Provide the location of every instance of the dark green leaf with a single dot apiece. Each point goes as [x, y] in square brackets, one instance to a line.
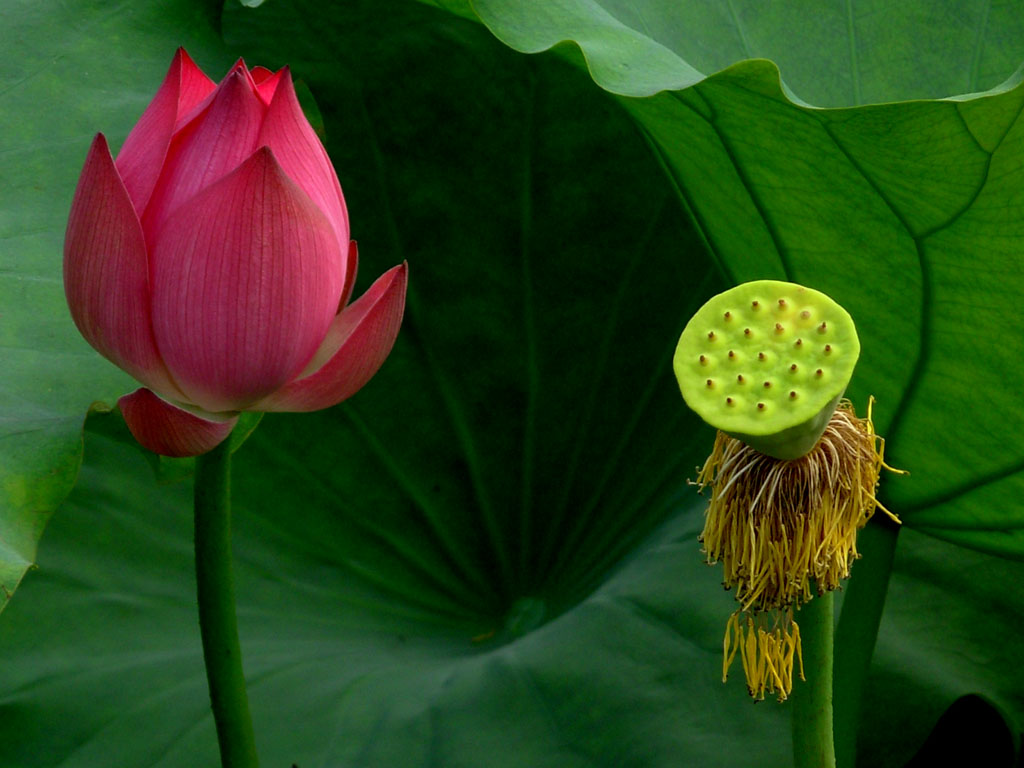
[357, 654]
[971, 727]
[908, 214]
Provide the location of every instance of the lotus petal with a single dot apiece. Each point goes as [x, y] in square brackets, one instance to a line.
[351, 270]
[246, 279]
[164, 428]
[106, 273]
[214, 143]
[143, 152]
[296, 146]
[266, 82]
[355, 348]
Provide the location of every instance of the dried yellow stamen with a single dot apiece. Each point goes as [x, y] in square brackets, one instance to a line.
[769, 649]
[783, 530]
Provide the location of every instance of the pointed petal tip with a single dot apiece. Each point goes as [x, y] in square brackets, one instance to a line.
[262, 160]
[267, 82]
[241, 71]
[168, 430]
[99, 151]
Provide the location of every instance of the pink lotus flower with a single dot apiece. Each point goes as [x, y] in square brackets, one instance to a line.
[212, 262]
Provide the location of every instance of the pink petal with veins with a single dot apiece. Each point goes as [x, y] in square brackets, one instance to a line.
[142, 154]
[212, 145]
[166, 429]
[246, 280]
[106, 272]
[355, 348]
[296, 146]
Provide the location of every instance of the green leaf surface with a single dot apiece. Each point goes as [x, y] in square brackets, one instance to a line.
[832, 53]
[540, 345]
[908, 214]
[59, 85]
[488, 557]
[951, 627]
[415, 563]
[355, 655]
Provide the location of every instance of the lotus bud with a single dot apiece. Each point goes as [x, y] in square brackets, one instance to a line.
[212, 261]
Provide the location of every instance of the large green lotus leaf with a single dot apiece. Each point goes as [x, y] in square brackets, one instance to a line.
[909, 214]
[487, 557]
[951, 625]
[533, 416]
[831, 53]
[68, 71]
[357, 655]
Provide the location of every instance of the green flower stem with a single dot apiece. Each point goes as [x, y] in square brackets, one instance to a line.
[217, 622]
[813, 746]
[858, 629]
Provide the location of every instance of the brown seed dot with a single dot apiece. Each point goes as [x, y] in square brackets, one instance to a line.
[782, 303]
[731, 353]
[760, 406]
[703, 360]
[728, 401]
[792, 368]
[805, 314]
[819, 372]
[711, 335]
[779, 328]
[760, 355]
[822, 328]
[727, 315]
[792, 395]
[746, 331]
[755, 304]
[799, 343]
[740, 378]
[767, 385]
[828, 349]
[711, 383]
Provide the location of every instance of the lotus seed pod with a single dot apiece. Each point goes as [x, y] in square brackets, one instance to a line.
[767, 362]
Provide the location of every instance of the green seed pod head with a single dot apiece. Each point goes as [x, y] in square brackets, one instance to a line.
[767, 363]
